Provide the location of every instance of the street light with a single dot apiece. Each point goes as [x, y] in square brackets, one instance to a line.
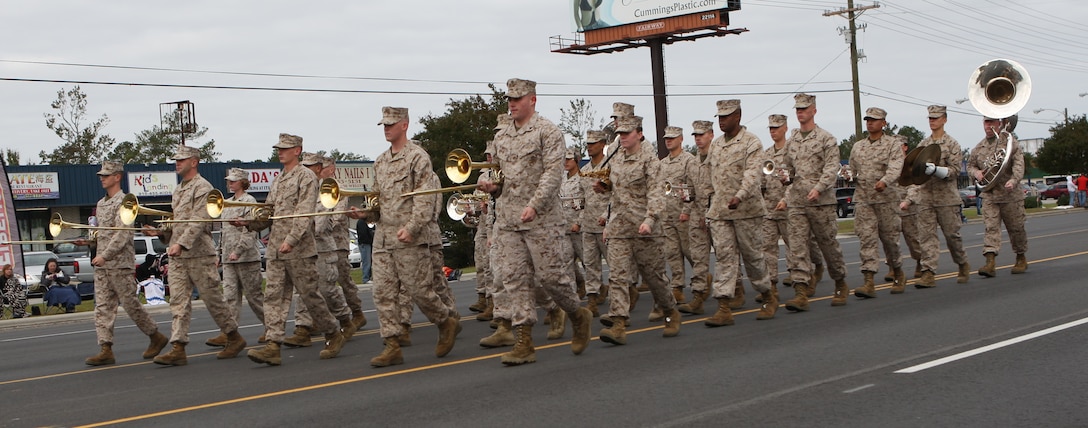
[1064, 112]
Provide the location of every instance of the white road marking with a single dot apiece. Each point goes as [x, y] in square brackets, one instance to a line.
[998, 345]
[851, 391]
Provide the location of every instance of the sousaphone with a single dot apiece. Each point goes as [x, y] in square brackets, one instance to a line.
[999, 89]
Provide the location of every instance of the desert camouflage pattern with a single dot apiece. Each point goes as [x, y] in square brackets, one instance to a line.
[115, 246]
[736, 240]
[638, 195]
[677, 234]
[735, 165]
[628, 258]
[813, 163]
[773, 189]
[813, 225]
[113, 287]
[937, 192]
[876, 216]
[1001, 205]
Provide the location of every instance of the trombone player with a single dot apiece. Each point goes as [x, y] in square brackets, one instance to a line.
[1004, 202]
[239, 256]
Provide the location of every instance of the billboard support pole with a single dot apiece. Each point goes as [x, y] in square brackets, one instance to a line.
[661, 108]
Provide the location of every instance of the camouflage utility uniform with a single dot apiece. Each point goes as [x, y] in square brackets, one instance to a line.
[876, 212]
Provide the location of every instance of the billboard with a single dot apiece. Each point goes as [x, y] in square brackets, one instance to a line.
[152, 183]
[598, 14]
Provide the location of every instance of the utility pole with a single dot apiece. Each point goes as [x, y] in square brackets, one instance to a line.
[850, 32]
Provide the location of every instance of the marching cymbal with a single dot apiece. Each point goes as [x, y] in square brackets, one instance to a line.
[914, 164]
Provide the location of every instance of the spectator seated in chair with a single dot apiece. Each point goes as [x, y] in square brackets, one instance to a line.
[57, 290]
[149, 274]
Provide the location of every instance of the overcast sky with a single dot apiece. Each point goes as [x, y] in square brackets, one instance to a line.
[918, 53]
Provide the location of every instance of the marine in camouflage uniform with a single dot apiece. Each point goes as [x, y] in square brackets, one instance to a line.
[678, 169]
[239, 256]
[812, 159]
[113, 272]
[876, 162]
[736, 214]
[573, 202]
[633, 231]
[529, 228]
[592, 218]
[291, 257]
[698, 231]
[339, 227]
[939, 202]
[1004, 203]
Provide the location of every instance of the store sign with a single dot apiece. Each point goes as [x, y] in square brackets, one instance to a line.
[152, 183]
[34, 185]
[260, 180]
[355, 176]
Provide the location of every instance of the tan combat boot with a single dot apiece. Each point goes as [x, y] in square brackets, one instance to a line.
[405, 339]
[269, 354]
[1021, 265]
[217, 341]
[176, 356]
[359, 319]
[632, 294]
[300, 339]
[723, 317]
[656, 315]
[523, 352]
[672, 324]
[890, 276]
[770, 305]
[481, 303]
[592, 300]
[447, 335]
[616, 334]
[579, 324]
[104, 357]
[559, 324]
[926, 281]
[737, 301]
[989, 270]
[817, 276]
[347, 328]
[900, 277]
[841, 291]
[503, 336]
[607, 321]
[695, 306]
[917, 269]
[678, 294]
[235, 345]
[489, 311]
[810, 287]
[964, 274]
[390, 356]
[158, 341]
[867, 289]
[799, 302]
[334, 342]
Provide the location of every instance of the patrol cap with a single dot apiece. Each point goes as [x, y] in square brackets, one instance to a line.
[327, 161]
[875, 113]
[776, 120]
[569, 154]
[595, 136]
[111, 167]
[803, 100]
[727, 107]
[288, 141]
[517, 88]
[310, 159]
[936, 111]
[236, 174]
[185, 152]
[700, 127]
[673, 131]
[629, 123]
[622, 110]
[393, 115]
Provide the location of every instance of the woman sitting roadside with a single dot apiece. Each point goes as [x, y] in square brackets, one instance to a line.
[14, 292]
[57, 290]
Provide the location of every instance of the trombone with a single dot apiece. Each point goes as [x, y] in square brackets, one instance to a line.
[459, 165]
[57, 224]
[258, 214]
[215, 203]
[331, 193]
[130, 209]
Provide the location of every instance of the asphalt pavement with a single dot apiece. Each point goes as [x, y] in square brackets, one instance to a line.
[1003, 351]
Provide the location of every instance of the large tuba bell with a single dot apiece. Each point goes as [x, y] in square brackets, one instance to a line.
[131, 208]
[998, 89]
[331, 193]
[459, 165]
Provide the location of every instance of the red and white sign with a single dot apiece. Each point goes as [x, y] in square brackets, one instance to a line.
[34, 185]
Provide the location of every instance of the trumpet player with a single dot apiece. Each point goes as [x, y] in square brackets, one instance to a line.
[573, 200]
[1004, 203]
[192, 262]
[239, 256]
[528, 224]
[592, 221]
[678, 168]
[114, 253]
[736, 214]
[939, 202]
[292, 257]
[399, 247]
[330, 234]
[877, 161]
[698, 231]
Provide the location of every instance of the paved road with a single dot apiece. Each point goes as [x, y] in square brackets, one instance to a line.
[826, 367]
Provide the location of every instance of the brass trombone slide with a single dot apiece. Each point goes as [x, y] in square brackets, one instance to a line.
[440, 190]
[331, 192]
[130, 209]
[39, 241]
[259, 214]
[57, 224]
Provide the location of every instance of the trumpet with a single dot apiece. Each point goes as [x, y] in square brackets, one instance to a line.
[846, 172]
[769, 168]
[576, 203]
[331, 193]
[467, 208]
[681, 191]
[130, 209]
[57, 224]
[215, 202]
[459, 165]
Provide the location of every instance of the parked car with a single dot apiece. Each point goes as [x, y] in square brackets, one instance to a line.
[145, 245]
[845, 197]
[968, 197]
[1055, 191]
[34, 264]
[79, 257]
[354, 256]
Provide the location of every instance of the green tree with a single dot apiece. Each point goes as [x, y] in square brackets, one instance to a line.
[11, 157]
[578, 119]
[82, 144]
[467, 124]
[339, 156]
[1066, 151]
